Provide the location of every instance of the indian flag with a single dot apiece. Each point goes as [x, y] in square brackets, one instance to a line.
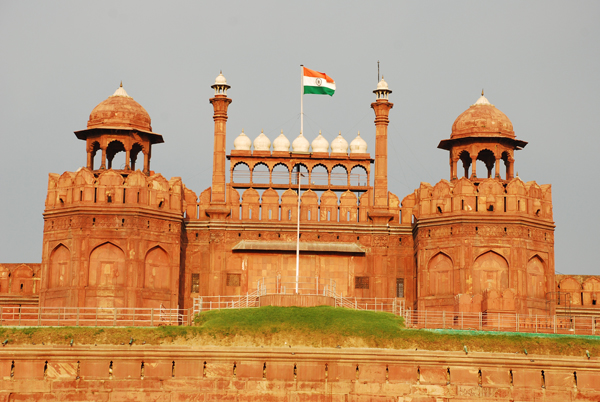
[317, 83]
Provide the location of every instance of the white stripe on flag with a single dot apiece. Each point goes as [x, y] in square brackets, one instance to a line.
[312, 82]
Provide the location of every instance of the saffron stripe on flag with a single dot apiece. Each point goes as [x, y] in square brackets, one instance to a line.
[312, 73]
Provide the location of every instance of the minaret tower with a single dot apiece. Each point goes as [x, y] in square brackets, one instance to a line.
[382, 108]
[218, 209]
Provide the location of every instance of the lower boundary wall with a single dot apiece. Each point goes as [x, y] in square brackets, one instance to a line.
[177, 373]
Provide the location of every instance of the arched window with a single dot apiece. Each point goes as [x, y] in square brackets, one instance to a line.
[96, 156]
[260, 174]
[486, 169]
[358, 176]
[281, 174]
[241, 173]
[303, 170]
[465, 158]
[114, 148]
[319, 176]
[133, 155]
[339, 176]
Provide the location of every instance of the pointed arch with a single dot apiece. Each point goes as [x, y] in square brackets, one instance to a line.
[261, 173]
[280, 174]
[465, 158]
[157, 271]
[22, 280]
[359, 176]
[440, 268]
[133, 154]
[591, 292]
[107, 266]
[59, 267]
[339, 175]
[241, 173]
[490, 272]
[319, 175]
[93, 151]
[536, 278]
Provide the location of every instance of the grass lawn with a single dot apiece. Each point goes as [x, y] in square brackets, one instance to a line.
[314, 327]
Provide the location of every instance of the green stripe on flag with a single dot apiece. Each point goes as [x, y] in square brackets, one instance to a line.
[318, 90]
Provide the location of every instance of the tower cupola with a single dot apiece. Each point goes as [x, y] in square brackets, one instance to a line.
[484, 133]
[220, 86]
[119, 124]
[382, 90]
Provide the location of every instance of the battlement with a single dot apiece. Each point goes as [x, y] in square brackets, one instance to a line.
[111, 189]
[485, 197]
[268, 205]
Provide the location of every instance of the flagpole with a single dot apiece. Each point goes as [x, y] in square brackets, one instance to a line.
[298, 232]
[301, 99]
[299, 177]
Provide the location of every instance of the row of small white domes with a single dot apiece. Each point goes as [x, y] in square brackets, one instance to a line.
[281, 144]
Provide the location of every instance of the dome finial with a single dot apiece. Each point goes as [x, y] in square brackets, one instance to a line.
[339, 145]
[121, 86]
[358, 145]
[481, 91]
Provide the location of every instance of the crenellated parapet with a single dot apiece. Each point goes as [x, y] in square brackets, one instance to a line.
[113, 190]
[487, 198]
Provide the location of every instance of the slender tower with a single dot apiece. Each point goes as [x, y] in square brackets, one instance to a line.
[218, 209]
[381, 106]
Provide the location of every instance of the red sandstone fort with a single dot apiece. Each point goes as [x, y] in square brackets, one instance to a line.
[117, 234]
[475, 251]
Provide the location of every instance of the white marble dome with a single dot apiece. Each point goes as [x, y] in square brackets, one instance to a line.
[358, 145]
[382, 84]
[281, 143]
[339, 145]
[320, 144]
[242, 142]
[300, 144]
[220, 80]
[262, 142]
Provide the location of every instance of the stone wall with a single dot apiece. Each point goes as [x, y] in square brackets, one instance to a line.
[143, 373]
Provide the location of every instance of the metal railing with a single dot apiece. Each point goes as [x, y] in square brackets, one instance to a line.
[207, 303]
[477, 321]
[395, 306]
[92, 316]
[505, 322]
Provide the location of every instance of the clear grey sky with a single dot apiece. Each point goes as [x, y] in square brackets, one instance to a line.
[539, 62]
